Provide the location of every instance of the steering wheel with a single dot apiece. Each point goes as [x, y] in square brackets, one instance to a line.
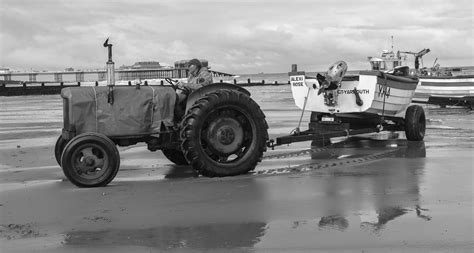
[173, 83]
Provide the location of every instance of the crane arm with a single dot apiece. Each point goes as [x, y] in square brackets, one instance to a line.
[419, 54]
[423, 52]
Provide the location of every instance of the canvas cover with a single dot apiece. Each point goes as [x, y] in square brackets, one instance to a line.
[135, 110]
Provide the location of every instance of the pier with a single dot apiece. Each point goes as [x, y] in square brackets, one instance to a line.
[48, 83]
[98, 75]
[51, 82]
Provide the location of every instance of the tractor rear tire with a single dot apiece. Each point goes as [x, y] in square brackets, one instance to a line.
[224, 134]
[58, 148]
[175, 156]
[90, 160]
[415, 123]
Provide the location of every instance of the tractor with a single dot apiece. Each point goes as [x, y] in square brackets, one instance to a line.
[223, 131]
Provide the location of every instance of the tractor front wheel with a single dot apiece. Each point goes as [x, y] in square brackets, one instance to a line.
[90, 160]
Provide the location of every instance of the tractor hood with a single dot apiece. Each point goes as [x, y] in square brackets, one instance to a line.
[135, 110]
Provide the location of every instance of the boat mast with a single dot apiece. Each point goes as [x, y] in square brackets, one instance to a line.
[392, 43]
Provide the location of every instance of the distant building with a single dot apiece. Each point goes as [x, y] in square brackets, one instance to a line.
[5, 70]
[143, 65]
[146, 65]
[184, 63]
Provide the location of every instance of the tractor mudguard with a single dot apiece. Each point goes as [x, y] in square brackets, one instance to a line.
[195, 95]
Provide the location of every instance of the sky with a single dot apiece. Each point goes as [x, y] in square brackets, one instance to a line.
[235, 36]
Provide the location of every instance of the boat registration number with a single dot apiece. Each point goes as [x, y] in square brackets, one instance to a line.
[327, 119]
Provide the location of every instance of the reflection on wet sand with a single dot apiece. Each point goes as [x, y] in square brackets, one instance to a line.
[334, 222]
[184, 214]
[347, 201]
[211, 236]
[394, 190]
[402, 181]
[386, 214]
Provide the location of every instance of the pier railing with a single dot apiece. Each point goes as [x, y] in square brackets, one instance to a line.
[99, 75]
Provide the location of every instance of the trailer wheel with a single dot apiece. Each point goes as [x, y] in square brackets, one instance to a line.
[58, 148]
[90, 160]
[224, 134]
[175, 156]
[415, 123]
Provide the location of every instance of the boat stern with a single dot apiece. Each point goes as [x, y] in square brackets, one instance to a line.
[350, 96]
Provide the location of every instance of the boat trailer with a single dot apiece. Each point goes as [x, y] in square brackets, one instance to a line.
[327, 127]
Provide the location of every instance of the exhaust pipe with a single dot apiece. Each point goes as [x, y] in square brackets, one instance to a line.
[110, 73]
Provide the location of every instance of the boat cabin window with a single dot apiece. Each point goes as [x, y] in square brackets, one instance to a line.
[376, 65]
[382, 65]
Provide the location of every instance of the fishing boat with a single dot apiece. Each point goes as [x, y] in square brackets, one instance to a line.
[371, 92]
[439, 86]
[341, 105]
[445, 90]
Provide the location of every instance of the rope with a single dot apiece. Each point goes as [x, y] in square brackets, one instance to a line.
[384, 94]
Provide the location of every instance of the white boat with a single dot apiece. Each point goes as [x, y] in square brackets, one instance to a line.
[371, 101]
[373, 92]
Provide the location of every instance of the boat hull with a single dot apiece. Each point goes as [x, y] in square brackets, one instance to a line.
[380, 93]
[445, 90]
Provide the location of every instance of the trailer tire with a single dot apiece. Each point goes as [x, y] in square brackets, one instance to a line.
[58, 148]
[175, 156]
[90, 160]
[415, 123]
[224, 134]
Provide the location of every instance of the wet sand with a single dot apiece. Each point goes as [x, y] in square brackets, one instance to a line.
[370, 194]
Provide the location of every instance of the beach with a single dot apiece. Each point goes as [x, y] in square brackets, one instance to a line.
[374, 193]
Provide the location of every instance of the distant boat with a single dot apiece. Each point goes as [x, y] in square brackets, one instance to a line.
[436, 86]
[443, 91]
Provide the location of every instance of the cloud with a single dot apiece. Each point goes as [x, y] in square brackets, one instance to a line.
[235, 36]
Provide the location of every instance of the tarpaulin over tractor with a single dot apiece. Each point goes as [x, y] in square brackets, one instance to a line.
[134, 111]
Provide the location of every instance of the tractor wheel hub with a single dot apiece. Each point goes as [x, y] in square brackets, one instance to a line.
[225, 135]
